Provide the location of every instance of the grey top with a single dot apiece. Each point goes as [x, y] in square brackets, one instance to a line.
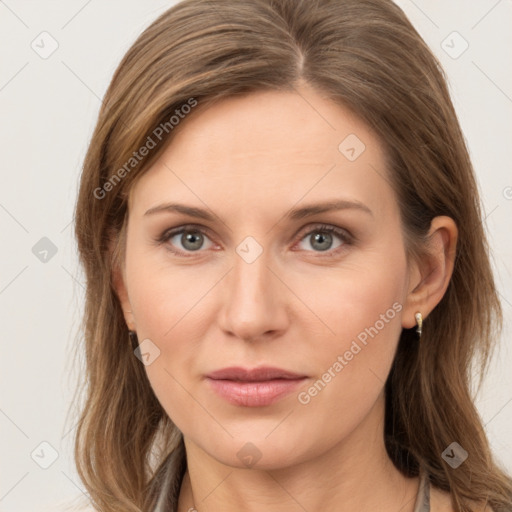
[423, 497]
[168, 497]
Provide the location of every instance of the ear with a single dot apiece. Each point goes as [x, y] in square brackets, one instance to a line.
[429, 278]
[119, 285]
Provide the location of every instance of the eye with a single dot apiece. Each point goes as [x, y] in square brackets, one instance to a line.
[322, 238]
[186, 239]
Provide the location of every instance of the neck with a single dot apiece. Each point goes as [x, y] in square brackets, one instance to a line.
[355, 474]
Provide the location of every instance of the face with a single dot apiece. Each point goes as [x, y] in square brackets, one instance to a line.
[285, 252]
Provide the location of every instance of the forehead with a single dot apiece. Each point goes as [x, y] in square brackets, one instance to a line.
[268, 148]
[271, 122]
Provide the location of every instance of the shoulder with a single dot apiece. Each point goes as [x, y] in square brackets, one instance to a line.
[440, 501]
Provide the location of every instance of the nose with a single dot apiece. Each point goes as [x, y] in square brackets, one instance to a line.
[255, 300]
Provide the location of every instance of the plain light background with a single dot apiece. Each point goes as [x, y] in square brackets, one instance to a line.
[48, 110]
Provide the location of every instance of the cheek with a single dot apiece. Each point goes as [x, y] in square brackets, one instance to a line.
[170, 307]
[165, 295]
[361, 300]
[362, 305]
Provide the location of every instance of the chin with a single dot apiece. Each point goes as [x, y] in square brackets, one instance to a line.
[256, 449]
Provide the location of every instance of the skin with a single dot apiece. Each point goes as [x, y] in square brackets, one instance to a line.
[249, 161]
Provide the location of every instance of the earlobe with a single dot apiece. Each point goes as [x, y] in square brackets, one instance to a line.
[431, 276]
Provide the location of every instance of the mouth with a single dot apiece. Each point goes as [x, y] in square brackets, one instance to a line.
[257, 387]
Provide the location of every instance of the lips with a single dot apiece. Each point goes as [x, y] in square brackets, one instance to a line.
[257, 387]
[253, 375]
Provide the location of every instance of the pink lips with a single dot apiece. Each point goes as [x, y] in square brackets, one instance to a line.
[254, 388]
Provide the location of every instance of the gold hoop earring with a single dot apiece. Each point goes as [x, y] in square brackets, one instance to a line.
[419, 321]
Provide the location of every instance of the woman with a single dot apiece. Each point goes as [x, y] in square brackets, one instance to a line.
[287, 273]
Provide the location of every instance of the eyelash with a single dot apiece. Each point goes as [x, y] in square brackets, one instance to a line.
[342, 234]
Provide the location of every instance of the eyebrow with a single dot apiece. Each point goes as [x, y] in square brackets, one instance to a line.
[293, 214]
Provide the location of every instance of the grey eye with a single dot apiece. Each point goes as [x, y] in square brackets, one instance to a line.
[320, 240]
[189, 240]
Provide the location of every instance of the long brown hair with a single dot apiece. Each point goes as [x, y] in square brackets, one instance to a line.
[365, 55]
